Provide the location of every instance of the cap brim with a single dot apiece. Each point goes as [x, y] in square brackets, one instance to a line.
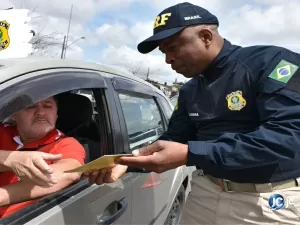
[151, 43]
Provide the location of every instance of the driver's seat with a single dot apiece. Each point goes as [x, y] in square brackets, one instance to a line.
[74, 118]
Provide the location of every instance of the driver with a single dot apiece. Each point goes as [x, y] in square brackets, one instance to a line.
[33, 157]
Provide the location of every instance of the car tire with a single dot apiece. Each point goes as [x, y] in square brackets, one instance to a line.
[174, 215]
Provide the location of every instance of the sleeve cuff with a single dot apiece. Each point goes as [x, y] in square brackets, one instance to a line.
[134, 170]
[197, 151]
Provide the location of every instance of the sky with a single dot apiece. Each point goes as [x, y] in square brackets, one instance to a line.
[113, 28]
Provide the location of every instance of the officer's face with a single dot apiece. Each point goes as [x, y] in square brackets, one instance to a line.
[188, 51]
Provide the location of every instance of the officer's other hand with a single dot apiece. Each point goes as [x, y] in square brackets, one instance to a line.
[157, 157]
[32, 165]
[106, 175]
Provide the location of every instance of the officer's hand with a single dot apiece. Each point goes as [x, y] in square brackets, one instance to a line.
[32, 165]
[107, 175]
[157, 157]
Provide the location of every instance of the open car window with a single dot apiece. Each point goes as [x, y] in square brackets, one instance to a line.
[23, 91]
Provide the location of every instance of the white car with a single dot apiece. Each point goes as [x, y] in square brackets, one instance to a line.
[108, 112]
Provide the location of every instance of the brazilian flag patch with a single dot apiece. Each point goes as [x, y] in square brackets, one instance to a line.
[283, 71]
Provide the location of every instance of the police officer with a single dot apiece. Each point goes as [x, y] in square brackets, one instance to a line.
[237, 120]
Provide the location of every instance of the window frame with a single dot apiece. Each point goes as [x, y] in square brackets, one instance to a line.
[135, 89]
[125, 85]
[161, 98]
[112, 113]
[101, 91]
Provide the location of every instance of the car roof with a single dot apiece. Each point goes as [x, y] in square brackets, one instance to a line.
[11, 68]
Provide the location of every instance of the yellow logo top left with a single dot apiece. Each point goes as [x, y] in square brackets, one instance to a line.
[4, 36]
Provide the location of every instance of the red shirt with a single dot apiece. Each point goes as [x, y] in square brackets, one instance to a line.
[69, 147]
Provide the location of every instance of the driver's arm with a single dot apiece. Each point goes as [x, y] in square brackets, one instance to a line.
[25, 190]
[3, 156]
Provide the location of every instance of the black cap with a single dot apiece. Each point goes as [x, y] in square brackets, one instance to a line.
[173, 20]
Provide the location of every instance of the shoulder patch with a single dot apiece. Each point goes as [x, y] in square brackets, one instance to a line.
[283, 71]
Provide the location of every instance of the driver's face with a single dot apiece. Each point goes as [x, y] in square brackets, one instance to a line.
[37, 120]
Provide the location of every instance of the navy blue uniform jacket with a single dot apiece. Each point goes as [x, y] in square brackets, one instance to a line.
[241, 117]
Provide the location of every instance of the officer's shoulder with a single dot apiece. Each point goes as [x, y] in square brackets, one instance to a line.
[258, 52]
[260, 56]
[259, 59]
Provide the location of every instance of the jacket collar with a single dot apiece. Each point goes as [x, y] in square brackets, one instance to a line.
[221, 62]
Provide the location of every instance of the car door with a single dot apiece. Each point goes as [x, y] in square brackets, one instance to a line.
[80, 203]
[152, 193]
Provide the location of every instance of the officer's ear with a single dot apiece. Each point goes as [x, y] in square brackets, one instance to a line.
[206, 36]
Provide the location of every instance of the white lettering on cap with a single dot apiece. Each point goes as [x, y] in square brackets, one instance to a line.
[192, 17]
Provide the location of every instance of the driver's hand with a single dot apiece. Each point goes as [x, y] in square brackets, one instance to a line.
[107, 175]
[32, 165]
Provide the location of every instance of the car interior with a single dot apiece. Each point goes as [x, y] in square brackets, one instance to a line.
[76, 118]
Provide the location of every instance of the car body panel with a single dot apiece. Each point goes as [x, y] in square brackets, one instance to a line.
[160, 195]
[88, 206]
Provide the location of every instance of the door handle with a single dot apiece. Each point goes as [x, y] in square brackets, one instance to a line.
[120, 206]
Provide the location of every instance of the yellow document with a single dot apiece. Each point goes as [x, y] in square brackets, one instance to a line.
[105, 161]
